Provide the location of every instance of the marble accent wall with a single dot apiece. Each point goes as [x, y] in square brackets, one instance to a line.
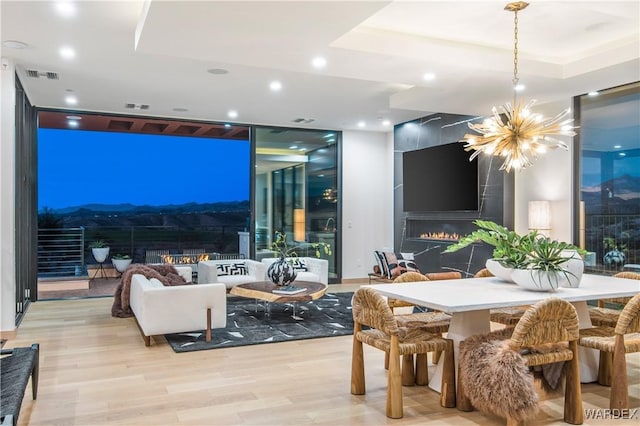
[496, 199]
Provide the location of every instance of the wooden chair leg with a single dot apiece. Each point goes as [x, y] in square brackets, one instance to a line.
[386, 360]
[357, 364]
[435, 358]
[422, 370]
[604, 368]
[573, 412]
[462, 401]
[619, 398]
[448, 392]
[408, 372]
[394, 382]
[207, 334]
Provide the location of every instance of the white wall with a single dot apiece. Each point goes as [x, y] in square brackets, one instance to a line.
[7, 197]
[367, 199]
[549, 178]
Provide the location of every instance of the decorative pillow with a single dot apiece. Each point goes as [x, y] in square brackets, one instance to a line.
[391, 262]
[382, 262]
[299, 265]
[231, 269]
[407, 256]
[408, 265]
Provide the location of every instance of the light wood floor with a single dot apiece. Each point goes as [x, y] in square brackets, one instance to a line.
[95, 370]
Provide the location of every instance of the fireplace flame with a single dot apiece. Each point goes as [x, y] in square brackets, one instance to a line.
[184, 259]
[445, 236]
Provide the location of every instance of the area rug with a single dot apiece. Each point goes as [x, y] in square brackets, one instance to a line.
[328, 316]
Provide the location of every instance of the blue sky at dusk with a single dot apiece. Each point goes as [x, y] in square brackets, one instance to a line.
[77, 167]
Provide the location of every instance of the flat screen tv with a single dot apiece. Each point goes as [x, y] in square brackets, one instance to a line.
[439, 178]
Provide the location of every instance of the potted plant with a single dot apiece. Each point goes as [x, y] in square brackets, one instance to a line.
[546, 265]
[282, 272]
[121, 261]
[100, 250]
[504, 242]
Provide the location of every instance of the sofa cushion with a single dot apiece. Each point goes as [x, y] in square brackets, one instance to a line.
[299, 265]
[231, 269]
[391, 262]
[307, 276]
[233, 280]
[381, 261]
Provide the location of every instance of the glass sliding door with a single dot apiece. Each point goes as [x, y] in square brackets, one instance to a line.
[609, 193]
[296, 187]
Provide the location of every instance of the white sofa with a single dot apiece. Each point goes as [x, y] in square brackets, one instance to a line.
[176, 309]
[213, 271]
[317, 269]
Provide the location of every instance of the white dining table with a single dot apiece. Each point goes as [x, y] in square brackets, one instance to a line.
[469, 300]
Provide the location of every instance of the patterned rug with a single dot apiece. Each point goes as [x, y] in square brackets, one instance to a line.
[328, 316]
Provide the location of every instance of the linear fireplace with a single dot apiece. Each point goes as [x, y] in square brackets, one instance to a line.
[450, 230]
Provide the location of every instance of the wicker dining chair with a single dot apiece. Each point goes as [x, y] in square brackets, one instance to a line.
[602, 316]
[371, 310]
[549, 321]
[505, 316]
[433, 322]
[614, 344]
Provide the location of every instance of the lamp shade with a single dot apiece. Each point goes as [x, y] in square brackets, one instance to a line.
[540, 216]
[299, 225]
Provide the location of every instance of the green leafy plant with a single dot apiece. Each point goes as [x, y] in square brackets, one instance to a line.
[548, 256]
[610, 244]
[120, 256]
[98, 244]
[282, 247]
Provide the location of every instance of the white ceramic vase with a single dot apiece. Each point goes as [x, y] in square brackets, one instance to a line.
[100, 254]
[121, 264]
[498, 270]
[536, 280]
[574, 267]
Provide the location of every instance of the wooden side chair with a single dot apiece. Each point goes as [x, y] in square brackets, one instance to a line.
[549, 322]
[614, 344]
[433, 322]
[602, 316]
[504, 316]
[371, 310]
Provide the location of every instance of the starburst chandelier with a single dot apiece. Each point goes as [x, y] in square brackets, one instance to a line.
[514, 132]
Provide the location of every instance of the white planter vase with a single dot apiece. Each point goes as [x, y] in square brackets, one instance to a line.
[121, 264]
[498, 270]
[536, 280]
[100, 254]
[574, 268]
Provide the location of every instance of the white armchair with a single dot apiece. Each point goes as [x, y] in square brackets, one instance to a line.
[231, 272]
[176, 309]
[317, 269]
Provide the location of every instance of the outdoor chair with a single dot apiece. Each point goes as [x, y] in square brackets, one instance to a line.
[547, 333]
[614, 344]
[371, 310]
[606, 317]
[505, 316]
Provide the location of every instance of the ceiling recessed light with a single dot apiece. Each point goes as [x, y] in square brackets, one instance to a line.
[217, 71]
[180, 109]
[331, 140]
[302, 149]
[71, 100]
[232, 114]
[72, 123]
[428, 76]
[593, 93]
[67, 52]
[275, 86]
[617, 146]
[328, 135]
[74, 117]
[293, 147]
[319, 62]
[361, 124]
[519, 87]
[14, 44]
[386, 122]
[622, 154]
[65, 8]
[227, 125]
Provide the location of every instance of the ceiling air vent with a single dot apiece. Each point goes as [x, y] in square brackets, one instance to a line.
[303, 120]
[136, 106]
[37, 74]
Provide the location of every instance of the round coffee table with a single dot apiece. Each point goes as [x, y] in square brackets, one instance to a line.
[263, 290]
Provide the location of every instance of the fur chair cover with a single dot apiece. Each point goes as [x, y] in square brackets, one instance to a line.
[497, 381]
[166, 274]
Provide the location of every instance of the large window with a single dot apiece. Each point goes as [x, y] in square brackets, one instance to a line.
[610, 178]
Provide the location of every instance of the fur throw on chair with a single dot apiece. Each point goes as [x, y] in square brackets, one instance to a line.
[166, 274]
[496, 379]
